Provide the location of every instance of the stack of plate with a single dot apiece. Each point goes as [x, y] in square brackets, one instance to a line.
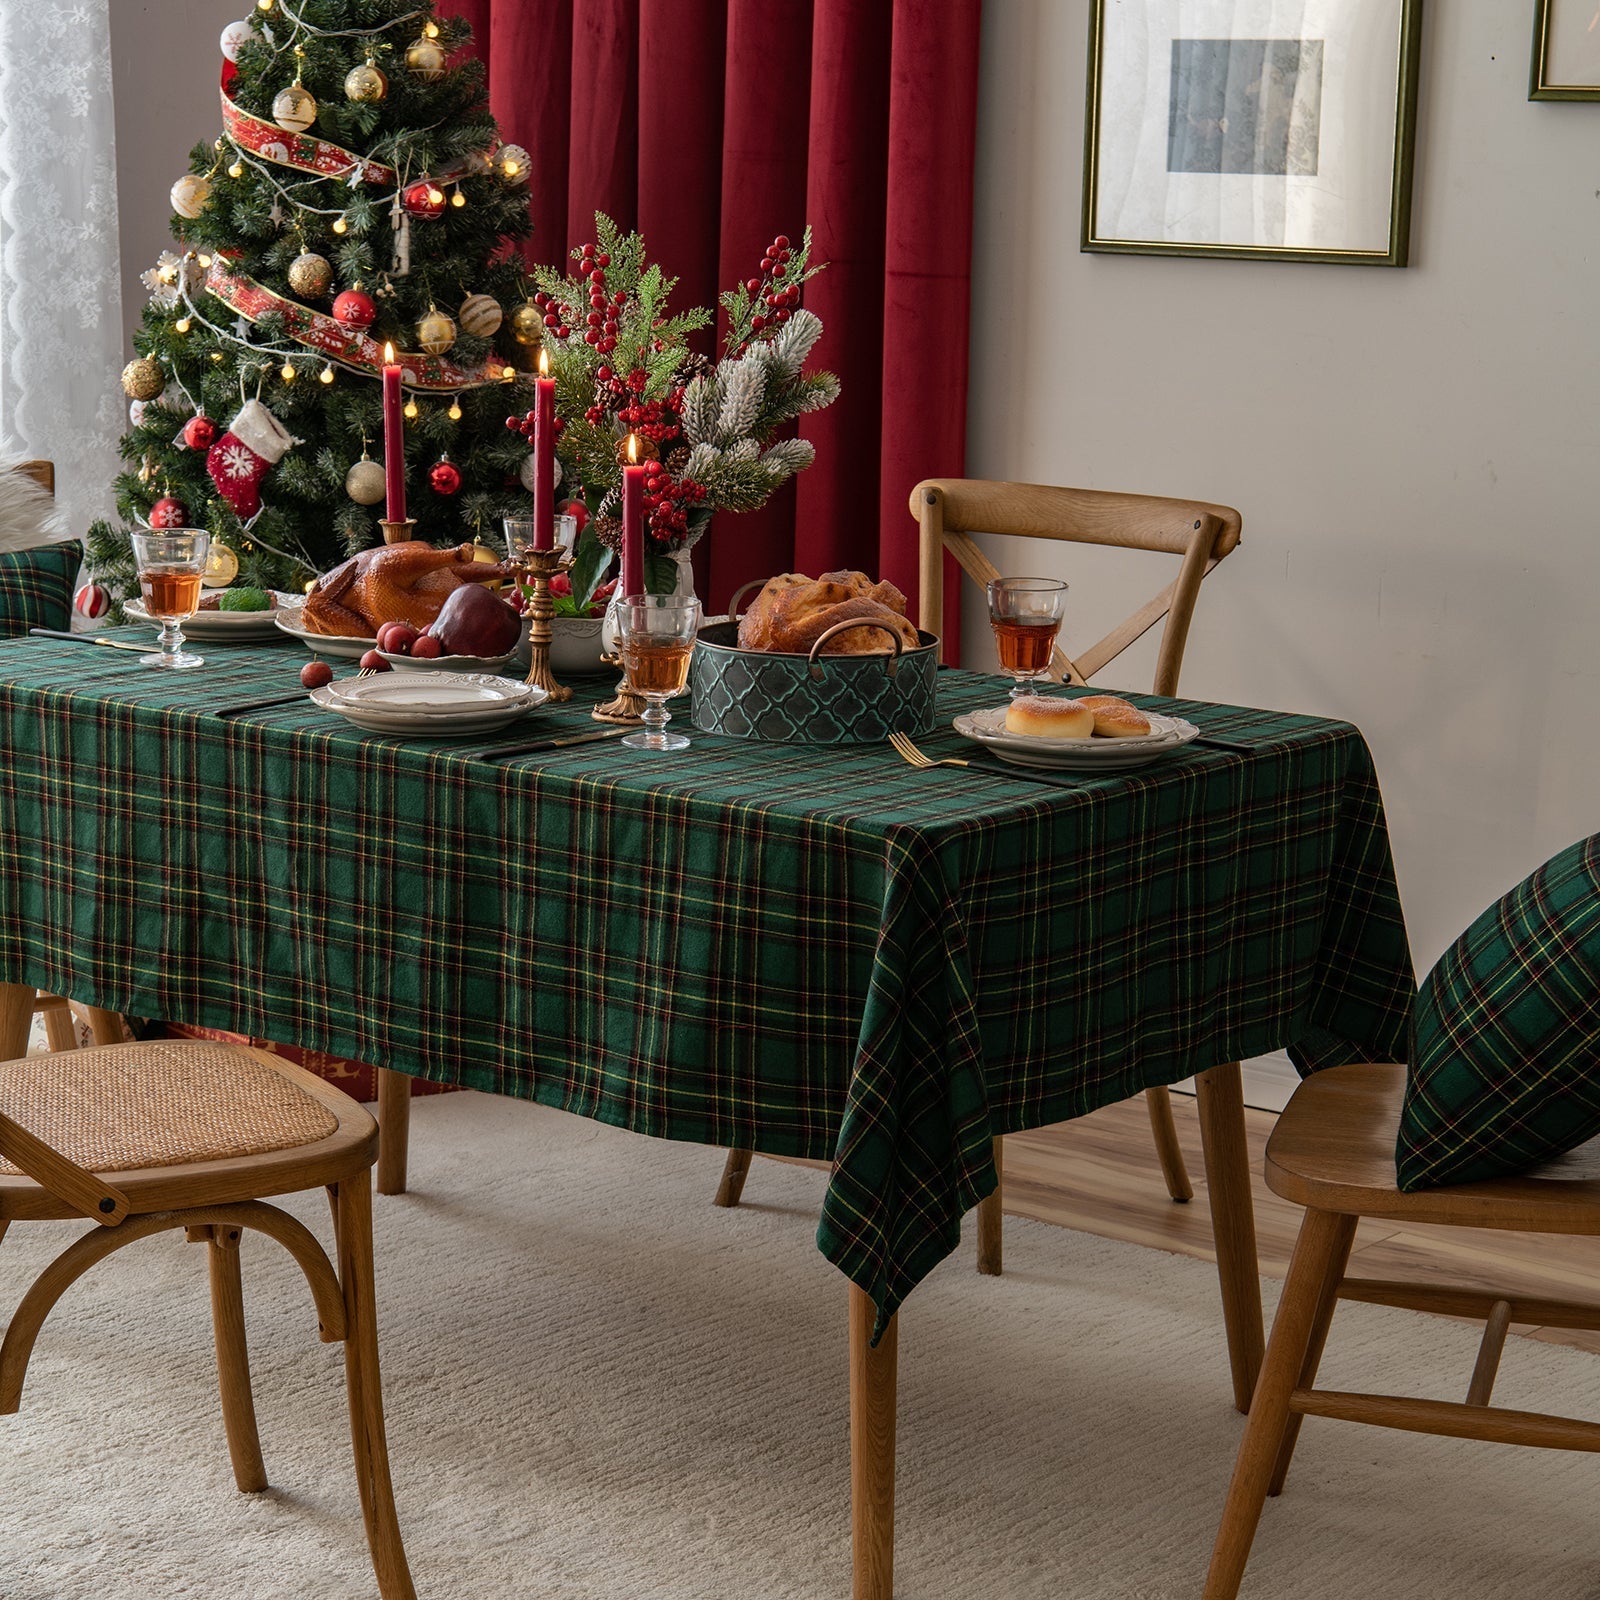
[237, 626]
[988, 728]
[437, 704]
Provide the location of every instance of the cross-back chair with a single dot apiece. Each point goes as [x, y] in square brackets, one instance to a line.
[1333, 1152]
[949, 512]
[143, 1139]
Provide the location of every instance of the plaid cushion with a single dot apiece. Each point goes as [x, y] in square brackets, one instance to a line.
[1505, 1039]
[36, 587]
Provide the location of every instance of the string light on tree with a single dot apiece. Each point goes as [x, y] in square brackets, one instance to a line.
[511, 162]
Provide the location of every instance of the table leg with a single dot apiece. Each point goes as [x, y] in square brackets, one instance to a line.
[872, 1407]
[16, 1020]
[1220, 1093]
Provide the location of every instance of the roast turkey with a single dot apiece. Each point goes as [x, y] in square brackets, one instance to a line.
[393, 583]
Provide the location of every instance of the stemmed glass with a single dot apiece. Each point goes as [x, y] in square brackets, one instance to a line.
[656, 633]
[171, 565]
[1025, 614]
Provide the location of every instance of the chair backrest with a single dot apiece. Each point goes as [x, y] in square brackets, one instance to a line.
[43, 473]
[950, 510]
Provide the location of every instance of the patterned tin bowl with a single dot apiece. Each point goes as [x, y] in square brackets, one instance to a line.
[815, 698]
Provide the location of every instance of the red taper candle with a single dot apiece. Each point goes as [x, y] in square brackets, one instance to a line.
[394, 438]
[544, 456]
[633, 476]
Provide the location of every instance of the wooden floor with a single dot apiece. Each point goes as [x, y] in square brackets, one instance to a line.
[1099, 1174]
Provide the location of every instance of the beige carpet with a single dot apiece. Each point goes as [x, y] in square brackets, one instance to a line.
[601, 1388]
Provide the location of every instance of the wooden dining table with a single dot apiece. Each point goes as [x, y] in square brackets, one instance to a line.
[805, 951]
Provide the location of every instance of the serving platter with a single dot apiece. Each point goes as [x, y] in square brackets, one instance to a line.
[342, 647]
[988, 728]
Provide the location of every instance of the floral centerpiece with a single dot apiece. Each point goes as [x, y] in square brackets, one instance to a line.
[717, 432]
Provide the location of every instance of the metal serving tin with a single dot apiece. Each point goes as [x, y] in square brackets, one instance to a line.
[815, 698]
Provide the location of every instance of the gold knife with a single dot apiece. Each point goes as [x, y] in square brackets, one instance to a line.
[89, 638]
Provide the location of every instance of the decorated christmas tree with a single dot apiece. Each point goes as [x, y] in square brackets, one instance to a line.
[357, 196]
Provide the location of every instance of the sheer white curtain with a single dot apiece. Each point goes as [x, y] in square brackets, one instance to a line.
[60, 297]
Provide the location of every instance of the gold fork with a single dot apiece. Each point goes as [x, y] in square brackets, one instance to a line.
[912, 756]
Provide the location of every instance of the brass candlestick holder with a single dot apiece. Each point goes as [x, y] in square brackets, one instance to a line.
[541, 566]
[628, 707]
[401, 532]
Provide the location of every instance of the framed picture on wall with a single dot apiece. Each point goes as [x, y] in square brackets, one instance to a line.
[1216, 128]
[1566, 50]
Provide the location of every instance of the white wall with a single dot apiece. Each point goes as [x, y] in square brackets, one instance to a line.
[1414, 451]
[165, 67]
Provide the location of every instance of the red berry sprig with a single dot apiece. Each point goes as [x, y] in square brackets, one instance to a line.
[667, 502]
[773, 294]
[600, 321]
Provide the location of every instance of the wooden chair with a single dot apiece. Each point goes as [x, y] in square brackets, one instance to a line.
[949, 511]
[149, 1138]
[1333, 1152]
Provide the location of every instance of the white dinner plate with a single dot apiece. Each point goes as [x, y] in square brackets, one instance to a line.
[435, 704]
[345, 647]
[235, 625]
[988, 728]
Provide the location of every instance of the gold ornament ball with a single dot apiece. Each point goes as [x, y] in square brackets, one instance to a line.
[310, 275]
[365, 84]
[222, 566]
[426, 59]
[436, 332]
[142, 379]
[480, 315]
[189, 195]
[527, 323]
[364, 482]
[295, 109]
[512, 163]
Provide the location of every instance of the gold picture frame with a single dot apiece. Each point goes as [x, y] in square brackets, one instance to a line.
[1208, 177]
[1541, 82]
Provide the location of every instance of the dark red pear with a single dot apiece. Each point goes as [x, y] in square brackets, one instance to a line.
[473, 622]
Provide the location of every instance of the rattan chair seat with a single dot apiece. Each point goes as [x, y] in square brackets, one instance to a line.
[130, 1107]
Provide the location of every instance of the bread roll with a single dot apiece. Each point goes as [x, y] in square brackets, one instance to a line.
[1114, 718]
[1038, 716]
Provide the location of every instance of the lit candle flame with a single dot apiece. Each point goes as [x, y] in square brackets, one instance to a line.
[544, 364]
[633, 448]
[388, 355]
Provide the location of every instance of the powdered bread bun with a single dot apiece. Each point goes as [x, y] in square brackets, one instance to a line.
[1049, 717]
[1115, 718]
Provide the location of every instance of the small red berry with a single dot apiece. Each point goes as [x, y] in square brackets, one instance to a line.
[563, 332]
[753, 285]
[604, 374]
[758, 322]
[783, 314]
[314, 674]
[766, 263]
[781, 242]
[602, 260]
[551, 320]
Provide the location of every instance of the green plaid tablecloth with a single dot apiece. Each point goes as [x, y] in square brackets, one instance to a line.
[811, 952]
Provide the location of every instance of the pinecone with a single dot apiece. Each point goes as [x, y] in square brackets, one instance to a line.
[678, 460]
[608, 530]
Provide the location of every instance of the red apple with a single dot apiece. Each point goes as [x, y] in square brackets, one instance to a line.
[427, 648]
[397, 638]
[373, 662]
[315, 673]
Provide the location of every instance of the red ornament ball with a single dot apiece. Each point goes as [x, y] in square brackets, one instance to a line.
[169, 512]
[92, 600]
[445, 477]
[355, 310]
[424, 199]
[315, 674]
[199, 433]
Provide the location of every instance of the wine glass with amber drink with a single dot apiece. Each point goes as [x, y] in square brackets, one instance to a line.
[656, 634]
[1025, 614]
[171, 565]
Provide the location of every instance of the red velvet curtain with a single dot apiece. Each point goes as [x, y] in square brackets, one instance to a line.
[712, 126]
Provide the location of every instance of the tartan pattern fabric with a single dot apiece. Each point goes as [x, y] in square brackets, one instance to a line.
[36, 587]
[1505, 1052]
[806, 951]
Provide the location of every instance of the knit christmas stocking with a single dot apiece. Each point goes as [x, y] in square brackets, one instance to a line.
[241, 459]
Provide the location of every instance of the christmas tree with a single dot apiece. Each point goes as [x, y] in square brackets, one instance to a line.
[358, 196]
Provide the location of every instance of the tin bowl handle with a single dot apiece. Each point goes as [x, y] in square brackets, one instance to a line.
[741, 592]
[812, 665]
